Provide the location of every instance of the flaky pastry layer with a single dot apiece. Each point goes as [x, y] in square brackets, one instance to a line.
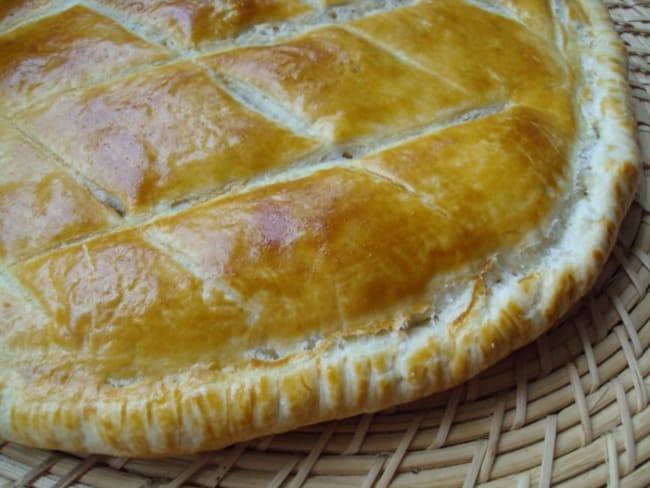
[290, 213]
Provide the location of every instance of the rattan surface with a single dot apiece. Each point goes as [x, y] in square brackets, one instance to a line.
[570, 410]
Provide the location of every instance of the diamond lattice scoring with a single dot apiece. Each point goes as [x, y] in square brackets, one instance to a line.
[172, 163]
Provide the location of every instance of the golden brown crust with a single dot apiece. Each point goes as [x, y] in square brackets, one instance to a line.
[65, 50]
[40, 204]
[195, 23]
[322, 78]
[469, 209]
[141, 141]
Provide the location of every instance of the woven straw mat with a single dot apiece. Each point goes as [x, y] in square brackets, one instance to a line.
[569, 410]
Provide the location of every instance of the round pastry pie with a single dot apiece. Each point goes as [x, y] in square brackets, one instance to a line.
[221, 220]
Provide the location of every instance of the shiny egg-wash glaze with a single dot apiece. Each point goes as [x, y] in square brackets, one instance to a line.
[235, 227]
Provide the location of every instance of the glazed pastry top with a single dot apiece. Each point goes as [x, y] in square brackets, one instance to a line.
[233, 186]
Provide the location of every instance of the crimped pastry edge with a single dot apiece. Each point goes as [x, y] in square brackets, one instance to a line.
[202, 410]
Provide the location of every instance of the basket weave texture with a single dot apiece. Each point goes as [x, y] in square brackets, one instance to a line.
[569, 410]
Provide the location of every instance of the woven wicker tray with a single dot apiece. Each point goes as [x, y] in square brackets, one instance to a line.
[569, 410]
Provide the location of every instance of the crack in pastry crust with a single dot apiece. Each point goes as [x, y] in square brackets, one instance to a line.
[234, 229]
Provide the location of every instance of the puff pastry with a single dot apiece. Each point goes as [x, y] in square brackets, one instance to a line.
[220, 220]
